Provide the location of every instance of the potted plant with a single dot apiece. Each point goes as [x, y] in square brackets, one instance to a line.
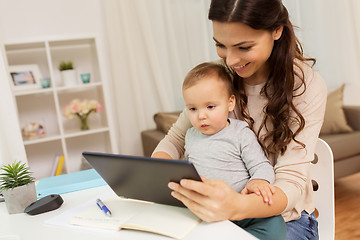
[68, 73]
[17, 186]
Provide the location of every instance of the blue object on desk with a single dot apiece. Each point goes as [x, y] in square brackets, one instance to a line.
[103, 208]
[69, 182]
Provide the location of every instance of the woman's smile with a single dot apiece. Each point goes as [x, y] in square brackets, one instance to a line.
[240, 68]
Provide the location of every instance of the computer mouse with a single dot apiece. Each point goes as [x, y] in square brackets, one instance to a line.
[45, 204]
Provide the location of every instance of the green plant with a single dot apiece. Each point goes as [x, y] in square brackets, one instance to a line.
[15, 175]
[65, 65]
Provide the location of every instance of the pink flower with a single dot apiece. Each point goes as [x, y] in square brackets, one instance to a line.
[74, 107]
[81, 108]
[98, 108]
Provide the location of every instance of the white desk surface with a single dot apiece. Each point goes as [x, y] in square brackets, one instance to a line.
[26, 227]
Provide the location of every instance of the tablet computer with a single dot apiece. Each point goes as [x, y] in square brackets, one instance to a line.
[141, 178]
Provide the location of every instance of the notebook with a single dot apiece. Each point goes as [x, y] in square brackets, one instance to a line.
[171, 221]
[141, 178]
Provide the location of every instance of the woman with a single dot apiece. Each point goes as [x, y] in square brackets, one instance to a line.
[283, 101]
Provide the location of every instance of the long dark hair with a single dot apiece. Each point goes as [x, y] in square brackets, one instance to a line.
[279, 89]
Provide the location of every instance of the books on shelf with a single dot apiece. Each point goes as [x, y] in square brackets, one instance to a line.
[171, 221]
[58, 165]
[55, 165]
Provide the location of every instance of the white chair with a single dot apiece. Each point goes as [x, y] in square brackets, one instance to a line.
[322, 174]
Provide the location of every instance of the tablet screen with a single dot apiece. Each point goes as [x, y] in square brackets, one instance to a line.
[141, 178]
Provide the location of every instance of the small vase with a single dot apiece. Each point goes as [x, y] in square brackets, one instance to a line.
[85, 77]
[17, 199]
[84, 125]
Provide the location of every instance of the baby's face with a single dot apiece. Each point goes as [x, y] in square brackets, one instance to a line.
[208, 104]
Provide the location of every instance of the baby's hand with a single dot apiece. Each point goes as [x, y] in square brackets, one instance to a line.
[260, 187]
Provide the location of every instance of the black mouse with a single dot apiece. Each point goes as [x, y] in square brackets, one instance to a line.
[45, 204]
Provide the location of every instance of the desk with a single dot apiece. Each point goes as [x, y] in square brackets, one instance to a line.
[27, 227]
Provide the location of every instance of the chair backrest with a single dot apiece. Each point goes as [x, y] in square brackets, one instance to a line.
[322, 174]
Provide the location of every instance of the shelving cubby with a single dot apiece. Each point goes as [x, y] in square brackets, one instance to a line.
[46, 105]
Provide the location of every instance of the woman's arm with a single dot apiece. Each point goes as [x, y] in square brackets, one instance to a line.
[161, 155]
[172, 146]
[214, 200]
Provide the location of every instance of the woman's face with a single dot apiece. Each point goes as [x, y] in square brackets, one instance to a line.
[245, 49]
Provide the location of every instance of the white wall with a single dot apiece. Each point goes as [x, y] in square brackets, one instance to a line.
[24, 20]
[11, 147]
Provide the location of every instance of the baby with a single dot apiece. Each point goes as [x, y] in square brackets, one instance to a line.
[224, 148]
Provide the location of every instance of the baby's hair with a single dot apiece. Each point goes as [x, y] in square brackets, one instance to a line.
[208, 69]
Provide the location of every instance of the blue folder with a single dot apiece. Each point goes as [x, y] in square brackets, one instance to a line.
[69, 182]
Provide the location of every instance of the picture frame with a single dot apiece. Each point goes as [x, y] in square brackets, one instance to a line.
[25, 76]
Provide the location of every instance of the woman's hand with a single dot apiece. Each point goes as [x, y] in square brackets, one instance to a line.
[260, 187]
[210, 200]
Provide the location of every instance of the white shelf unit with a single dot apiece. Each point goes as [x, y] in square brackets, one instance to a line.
[45, 105]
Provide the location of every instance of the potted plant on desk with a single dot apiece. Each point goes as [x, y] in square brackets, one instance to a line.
[17, 186]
